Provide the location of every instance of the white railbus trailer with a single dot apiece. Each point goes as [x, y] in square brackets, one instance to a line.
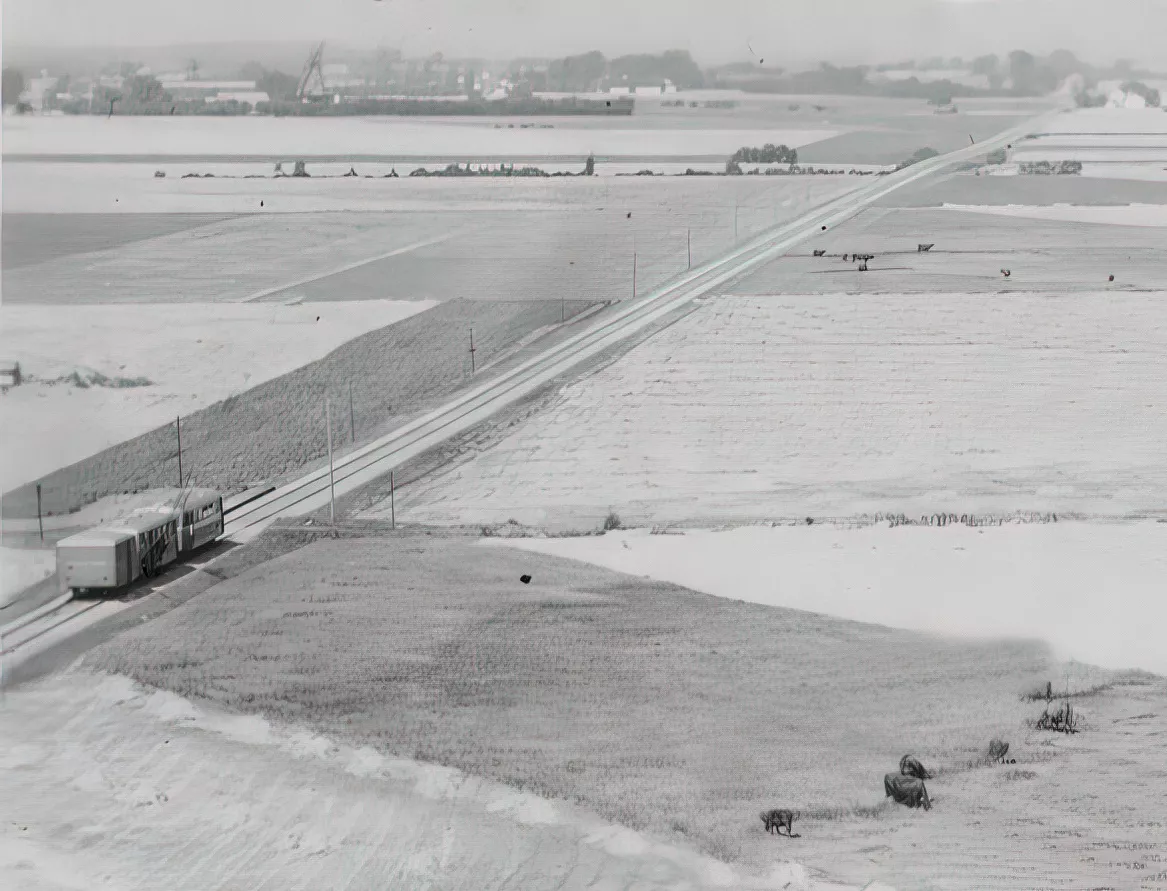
[139, 545]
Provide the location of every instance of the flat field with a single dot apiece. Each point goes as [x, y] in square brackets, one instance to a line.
[757, 408]
[1063, 256]
[387, 137]
[514, 239]
[97, 375]
[1074, 585]
[671, 712]
[395, 372]
[147, 790]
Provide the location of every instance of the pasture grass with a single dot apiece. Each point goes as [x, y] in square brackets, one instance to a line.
[657, 707]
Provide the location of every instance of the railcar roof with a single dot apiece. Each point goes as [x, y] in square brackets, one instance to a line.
[102, 536]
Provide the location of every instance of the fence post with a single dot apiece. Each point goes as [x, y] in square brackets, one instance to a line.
[39, 522]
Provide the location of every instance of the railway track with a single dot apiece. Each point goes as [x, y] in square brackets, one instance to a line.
[360, 467]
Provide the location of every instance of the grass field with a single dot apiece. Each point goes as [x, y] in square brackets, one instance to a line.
[571, 687]
[757, 408]
[277, 427]
[671, 712]
[970, 250]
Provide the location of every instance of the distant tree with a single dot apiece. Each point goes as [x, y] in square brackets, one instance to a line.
[143, 89]
[577, 73]
[13, 85]
[1063, 63]
[648, 70]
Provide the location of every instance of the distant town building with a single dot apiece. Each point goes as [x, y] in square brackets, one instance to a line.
[251, 97]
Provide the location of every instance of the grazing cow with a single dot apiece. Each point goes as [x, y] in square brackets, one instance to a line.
[910, 766]
[775, 819]
[908, 791]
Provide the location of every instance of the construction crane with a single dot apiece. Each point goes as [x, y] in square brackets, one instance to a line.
[312, 67]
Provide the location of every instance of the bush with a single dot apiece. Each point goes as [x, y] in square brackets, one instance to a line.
[612, 521]
[1064, 720]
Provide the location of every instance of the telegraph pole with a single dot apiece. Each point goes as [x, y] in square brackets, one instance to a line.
[178, 430]
[331, 483]
[472, 367]
[39, 522]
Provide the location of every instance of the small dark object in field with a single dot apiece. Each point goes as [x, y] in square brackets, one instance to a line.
[998, 749]
[909, 791]
[1112, 278]
[261, 204]
[924, 248]
[160, 174]
[1006, 273]
[629, 214]
[820, 253]
[910, 766]
[775, 819]
[525, 579]
[810, 521]
[824, 228]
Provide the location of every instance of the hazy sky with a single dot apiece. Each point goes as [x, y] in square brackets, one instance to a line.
[786, 31]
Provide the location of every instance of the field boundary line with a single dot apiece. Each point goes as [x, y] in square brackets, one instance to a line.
[267, 292]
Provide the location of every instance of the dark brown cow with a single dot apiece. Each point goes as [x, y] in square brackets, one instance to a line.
[908, 791]
[777, 818]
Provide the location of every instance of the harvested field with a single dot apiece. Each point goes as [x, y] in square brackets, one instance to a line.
[970, 251]
[755, 408]
[427, 240]
[570, 687]
[278, 427]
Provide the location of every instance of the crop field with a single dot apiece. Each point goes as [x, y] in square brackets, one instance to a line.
[570, 687]
[276, 427]
[756, 408]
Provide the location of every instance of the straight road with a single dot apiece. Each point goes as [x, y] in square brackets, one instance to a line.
[310, 492]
